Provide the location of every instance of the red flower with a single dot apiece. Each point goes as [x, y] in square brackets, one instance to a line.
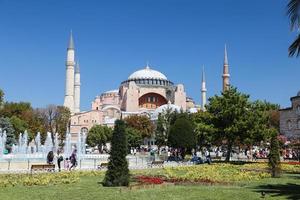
[149, 180]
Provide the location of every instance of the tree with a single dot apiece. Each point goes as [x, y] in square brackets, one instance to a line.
[117, 173]
[141, 123]
[293, 12]
[55, 119]
[182, 134]
[98, 136]
[204, 128]
[6, 126]
[19, 125]
[1, 97]
[21, 110]
[274, 156]
[22, 117]
[161, 134]
[230, 114]
[134, 137]
[61, 120]
[163, 124]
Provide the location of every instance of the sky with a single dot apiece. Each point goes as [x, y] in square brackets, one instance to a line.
[115, 38]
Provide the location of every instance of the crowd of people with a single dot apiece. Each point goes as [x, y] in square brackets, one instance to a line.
[69, 163]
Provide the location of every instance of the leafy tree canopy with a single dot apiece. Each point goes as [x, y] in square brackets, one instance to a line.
[7, 127]
[140, 123]
[182, 134]
[134, 137]
[98, 135]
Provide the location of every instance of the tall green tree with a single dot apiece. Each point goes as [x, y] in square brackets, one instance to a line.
[117, 173]
[98, 136]
[182, 134]
[293, 12]
[134, 137]
[6, 126]
[163, 124]
[230, 114]
[274, 156]
[141, 123]
[204, 128]
[19, 125]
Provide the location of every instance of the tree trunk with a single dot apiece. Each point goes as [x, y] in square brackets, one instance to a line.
[229, 149]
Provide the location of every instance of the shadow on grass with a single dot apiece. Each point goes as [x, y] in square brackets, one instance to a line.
[289, 190]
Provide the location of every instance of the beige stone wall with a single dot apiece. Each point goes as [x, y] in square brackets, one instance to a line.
[85, 119]
[132, 97]
[180, 97]
[290, 120]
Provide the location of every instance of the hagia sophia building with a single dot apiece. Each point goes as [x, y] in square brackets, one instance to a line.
[145, 92]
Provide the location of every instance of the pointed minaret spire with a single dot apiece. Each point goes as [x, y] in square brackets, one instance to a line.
[203, 90]
[71, 41]
[70, 65]
[226, 74]
[225, 56]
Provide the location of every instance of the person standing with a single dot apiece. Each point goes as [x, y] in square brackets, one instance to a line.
[73, 160]
[50, 157]
[59, 160]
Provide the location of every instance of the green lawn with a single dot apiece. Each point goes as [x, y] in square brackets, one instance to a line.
[286, 187]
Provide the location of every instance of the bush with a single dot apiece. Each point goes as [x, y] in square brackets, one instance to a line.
[274, 157]
[118, 172]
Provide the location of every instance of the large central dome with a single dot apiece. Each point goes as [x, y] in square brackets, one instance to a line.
[147, 73]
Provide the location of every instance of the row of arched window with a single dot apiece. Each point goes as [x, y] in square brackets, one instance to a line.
[153, 82]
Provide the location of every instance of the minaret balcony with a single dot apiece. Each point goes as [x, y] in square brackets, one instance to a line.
[68, 63]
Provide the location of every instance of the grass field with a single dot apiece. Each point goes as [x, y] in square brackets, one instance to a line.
[88, 188]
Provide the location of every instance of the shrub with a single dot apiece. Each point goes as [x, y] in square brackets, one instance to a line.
[118, 172]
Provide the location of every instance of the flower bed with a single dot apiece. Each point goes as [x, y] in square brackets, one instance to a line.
[43, 179]
[288, 167]
[149, 180]
[215, 173]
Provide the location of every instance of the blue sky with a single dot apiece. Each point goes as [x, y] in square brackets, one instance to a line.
[115, 38]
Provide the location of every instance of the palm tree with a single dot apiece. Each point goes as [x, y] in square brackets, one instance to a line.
[293, 12]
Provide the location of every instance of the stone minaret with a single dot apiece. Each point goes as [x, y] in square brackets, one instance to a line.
[70, 64]
[77, 89]
[203, 91]
[226, 74]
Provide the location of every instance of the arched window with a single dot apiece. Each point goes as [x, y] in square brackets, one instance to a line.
[84, 130]
[298, 110]
[289, 124]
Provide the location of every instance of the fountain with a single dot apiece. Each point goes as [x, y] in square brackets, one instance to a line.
[37, 141]
[35, 152]
[68, 146]
[56, 142]
[2, 142]
[48, 146]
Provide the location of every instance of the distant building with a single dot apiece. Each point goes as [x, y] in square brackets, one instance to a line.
[290, 119]
[145, 92]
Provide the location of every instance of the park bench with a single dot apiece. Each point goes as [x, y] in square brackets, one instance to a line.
[159, 163]
[42, 168]
[217, 158]
[103, 165]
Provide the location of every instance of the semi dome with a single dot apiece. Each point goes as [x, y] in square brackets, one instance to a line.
[164, 108]
[147, 73]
